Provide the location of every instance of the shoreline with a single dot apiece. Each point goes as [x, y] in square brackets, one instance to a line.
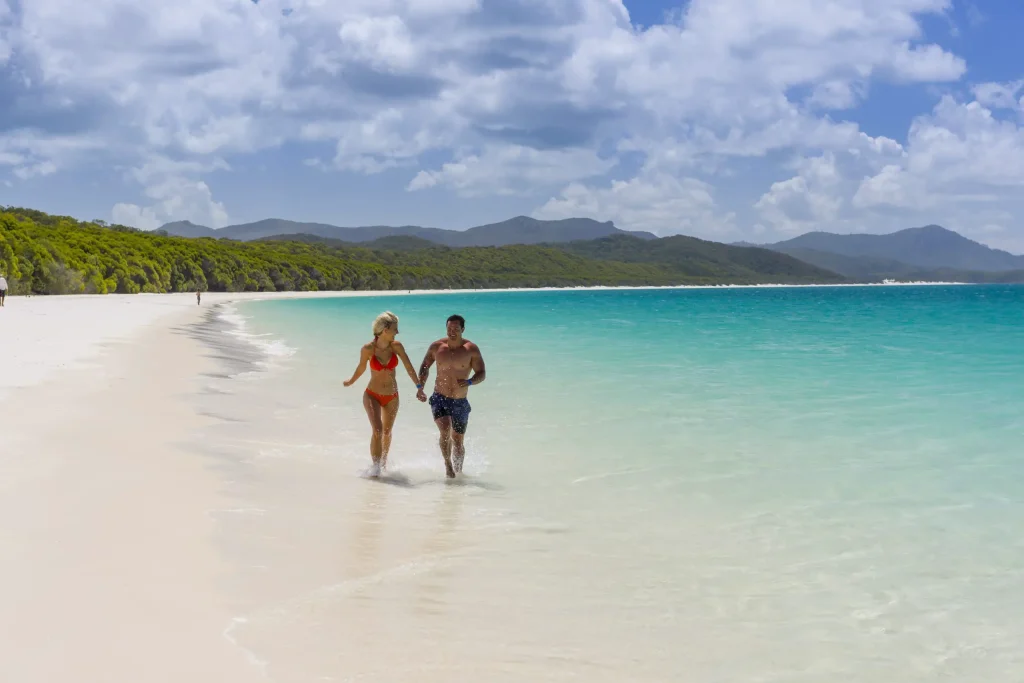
[221, 297]
[35, 355]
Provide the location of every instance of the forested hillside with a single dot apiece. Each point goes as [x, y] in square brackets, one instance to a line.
[44, 254]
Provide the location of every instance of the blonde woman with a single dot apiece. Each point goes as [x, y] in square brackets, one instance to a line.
[381, 396]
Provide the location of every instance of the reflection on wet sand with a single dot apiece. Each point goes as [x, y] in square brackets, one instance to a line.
[433, 586]
[363, 553]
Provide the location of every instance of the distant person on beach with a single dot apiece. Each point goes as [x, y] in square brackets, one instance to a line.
[3, 289]
[199, 296]
[456, 357]
[381, 396]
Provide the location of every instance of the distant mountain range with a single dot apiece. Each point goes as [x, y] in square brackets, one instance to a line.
[96, 257]
[928, 253]
[518, 230]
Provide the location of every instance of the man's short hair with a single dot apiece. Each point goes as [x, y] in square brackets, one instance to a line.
[459, 319]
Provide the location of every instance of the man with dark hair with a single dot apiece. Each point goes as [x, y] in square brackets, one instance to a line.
[456, 357]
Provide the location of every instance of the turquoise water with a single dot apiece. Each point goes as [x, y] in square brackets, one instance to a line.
[778, 484]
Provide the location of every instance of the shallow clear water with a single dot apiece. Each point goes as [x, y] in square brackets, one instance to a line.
[779, 484]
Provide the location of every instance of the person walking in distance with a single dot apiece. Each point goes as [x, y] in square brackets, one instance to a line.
[3, 290]
[456, 359]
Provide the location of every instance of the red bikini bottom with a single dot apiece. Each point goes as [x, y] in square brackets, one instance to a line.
[382, 399]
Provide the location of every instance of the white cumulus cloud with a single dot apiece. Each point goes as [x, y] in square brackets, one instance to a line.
[659, 203]
[565, 103]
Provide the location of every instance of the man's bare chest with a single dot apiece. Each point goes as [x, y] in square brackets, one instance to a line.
[453, 358]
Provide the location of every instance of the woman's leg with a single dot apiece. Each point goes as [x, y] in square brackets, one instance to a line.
[388, 414]
[373, 411]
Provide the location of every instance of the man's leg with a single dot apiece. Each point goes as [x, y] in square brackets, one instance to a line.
[460, 421]
[458, 451]
[444, 426]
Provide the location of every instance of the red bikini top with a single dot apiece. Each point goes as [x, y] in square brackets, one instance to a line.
[378, 366]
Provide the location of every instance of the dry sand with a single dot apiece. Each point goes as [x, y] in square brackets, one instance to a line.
[109, 572]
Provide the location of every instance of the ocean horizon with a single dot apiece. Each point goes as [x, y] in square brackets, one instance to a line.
[808, 483]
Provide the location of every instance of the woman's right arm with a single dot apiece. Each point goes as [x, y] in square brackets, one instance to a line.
[364, 358]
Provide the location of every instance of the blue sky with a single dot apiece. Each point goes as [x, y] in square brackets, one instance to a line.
[725, 119]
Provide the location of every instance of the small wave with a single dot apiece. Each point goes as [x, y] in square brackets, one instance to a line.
[534, 527]
[259, 512]
[430, 461]
[229, 635]
[238, 327]
[412, 568]
[616, 473]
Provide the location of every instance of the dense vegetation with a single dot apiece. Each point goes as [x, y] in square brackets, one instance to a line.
[702, 258]
[45, 254]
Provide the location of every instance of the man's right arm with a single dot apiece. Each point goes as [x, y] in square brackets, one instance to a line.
[428, 360]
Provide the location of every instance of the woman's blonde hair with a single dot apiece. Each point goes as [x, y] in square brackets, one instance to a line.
[384, 321]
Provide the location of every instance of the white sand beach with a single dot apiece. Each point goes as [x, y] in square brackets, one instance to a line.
[43, 335]
[109, 573]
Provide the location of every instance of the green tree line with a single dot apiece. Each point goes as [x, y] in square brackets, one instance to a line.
[44, 254]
